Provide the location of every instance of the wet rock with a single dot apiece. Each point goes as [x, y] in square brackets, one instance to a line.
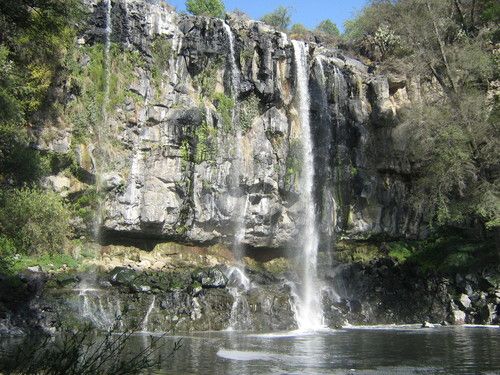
[457, 316]
[211, 278]
[122, 276]
[464, 301]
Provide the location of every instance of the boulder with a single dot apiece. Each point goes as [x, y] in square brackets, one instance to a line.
[211, 278]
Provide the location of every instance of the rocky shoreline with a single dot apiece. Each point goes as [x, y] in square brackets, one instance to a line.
[214, 297]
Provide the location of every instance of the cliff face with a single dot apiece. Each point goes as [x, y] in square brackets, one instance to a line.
[200, 140]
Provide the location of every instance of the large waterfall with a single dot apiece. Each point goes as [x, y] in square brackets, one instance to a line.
[242, 201]
[308, 304]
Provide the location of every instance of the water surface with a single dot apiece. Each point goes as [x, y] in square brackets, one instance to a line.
[369, 350]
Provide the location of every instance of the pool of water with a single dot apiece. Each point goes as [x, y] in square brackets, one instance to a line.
[354, 350]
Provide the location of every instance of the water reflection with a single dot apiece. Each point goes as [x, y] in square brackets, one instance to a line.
[378, 350]
[353, 350]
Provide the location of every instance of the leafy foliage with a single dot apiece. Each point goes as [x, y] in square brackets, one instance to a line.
[36, 222]
[213, 8]
[453, 134]
[299, 31]
[279, 18]
[206, 143]
[329, 28]
[249, 111]
[225, 106]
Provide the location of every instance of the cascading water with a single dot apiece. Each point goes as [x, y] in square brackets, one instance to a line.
[238, 285]
[133, 197]
[308, 301]
[240, 315]
[145, 321]
[240, 223]
[103, 314]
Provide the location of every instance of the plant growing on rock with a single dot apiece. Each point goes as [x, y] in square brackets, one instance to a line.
[211, 8]
[279, 18]
[329, 28]
[225, 106]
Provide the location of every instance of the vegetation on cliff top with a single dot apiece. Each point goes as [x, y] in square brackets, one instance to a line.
[452, 135]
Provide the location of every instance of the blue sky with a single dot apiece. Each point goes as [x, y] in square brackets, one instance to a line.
[307, 12]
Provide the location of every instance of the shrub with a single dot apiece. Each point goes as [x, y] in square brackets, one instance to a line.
[329, 28]
[280, 18]
[84, 352]
[299, 31]
[212, 8]
[37, 222]
[225, 106]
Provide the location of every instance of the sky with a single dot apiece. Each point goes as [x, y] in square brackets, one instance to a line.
[307, 12]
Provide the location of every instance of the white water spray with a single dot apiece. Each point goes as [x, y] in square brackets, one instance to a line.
[132, 212]
[92, 307]
[145, 321]
[239, 285]
[240, 314]
[308, 301]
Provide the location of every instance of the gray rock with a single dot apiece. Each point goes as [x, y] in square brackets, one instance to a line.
[211, 278]
[111, 181]
[464, 301]
[59, 184]
[35, 269]
[457, 316]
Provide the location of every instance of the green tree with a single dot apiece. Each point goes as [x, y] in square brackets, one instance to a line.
[453, 134]
[279, 18]
[37, 222]
[212, 8]
[329, 28]
[299, 30]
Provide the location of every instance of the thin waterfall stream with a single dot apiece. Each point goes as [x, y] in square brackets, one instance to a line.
[241, 284]
[308, 302]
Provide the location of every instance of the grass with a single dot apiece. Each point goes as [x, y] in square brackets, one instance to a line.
[48, 262]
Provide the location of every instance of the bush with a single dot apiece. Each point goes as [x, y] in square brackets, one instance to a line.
[37, 222]
[84, 352]
[211, 8]
[299, 31]
[19, 163]
[280, 18]
[329, 28]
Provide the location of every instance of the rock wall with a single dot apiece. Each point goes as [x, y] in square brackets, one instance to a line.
[186, 151]
[380, 292]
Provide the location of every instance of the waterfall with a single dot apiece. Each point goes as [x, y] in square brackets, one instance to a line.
[329, 220]
[133, 198]
[104, 315]
[239, 284]
[232, 60]
[240, 315]
[339, 90]
[240, 223]
[145, 321]
[308, 301]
